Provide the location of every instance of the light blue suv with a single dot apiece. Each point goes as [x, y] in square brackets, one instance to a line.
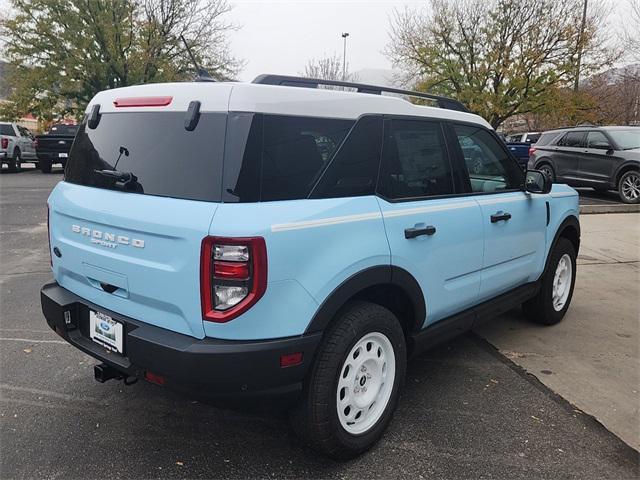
[271, 240]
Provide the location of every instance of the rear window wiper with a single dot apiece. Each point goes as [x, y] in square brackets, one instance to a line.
[124, 177]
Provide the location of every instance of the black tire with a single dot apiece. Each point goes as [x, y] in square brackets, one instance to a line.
[548, 170]
[45, 165]
[540, 309]
[629, 187]
[315, 419]
[15, 164]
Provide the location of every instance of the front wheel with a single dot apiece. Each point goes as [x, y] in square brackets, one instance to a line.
[629, 187]
[551, 303]
[354, 384]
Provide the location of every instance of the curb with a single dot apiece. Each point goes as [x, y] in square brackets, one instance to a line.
[614, 208]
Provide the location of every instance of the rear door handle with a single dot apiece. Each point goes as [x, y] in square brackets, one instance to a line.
[416, 232]
[498, 216]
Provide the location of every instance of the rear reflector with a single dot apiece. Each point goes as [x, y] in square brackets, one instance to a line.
[290, 359]
[142, 102]
[154, 378]
[235, 270]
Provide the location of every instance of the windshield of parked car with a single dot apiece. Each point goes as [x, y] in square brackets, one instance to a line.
[626, 139]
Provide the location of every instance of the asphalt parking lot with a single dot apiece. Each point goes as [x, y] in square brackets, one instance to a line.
[467, 410]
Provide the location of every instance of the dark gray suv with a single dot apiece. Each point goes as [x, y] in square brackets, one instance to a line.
[605, 158]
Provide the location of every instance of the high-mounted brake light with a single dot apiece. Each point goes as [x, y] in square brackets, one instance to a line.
[233, 276]
[142, 102]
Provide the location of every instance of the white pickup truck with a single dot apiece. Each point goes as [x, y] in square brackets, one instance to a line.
[16, 145]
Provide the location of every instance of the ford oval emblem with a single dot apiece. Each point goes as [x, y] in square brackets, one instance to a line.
[105, 326]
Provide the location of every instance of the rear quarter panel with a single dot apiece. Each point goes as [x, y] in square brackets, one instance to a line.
[312, 247]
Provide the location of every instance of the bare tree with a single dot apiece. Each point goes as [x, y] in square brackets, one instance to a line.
[500, 57]
[630, 34]
[328, 68]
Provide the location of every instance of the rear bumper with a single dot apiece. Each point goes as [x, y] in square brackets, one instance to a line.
[207, 367]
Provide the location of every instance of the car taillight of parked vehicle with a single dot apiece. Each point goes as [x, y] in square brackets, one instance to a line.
[233, 276]
[532, 150]
[4, 142]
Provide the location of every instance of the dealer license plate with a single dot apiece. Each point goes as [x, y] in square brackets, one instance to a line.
[106, 331]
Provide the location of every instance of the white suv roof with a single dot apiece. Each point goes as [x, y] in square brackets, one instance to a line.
[274, 99]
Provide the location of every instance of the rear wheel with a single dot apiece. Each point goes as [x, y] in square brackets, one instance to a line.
[15, 164]
[354, 383]
[551, 303]
[45, 165]
[629, 187]
[548, 171]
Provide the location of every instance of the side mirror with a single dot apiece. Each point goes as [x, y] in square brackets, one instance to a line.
[537, 182]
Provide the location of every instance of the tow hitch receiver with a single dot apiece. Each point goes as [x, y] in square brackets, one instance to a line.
[104, 372]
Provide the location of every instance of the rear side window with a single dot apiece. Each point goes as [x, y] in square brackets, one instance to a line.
[155, 149]
[354, 169]
[532, 137]
[7, 130]
[546, 138]
[278, 157]
[490, 167]
[295, 151]
[415, 160]
[572, 139]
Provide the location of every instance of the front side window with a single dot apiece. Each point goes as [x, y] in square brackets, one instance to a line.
[415, 160]
[597, 140]
[489, 165]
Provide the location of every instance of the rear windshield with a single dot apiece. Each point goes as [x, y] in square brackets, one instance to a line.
[161, 156]
[7, 130]
[63, 130]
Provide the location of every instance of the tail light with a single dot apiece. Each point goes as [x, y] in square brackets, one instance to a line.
[233, 276]
[532, 150]
[35, 142]
[4, 143]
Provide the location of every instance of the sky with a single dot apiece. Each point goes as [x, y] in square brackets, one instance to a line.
[280, 36]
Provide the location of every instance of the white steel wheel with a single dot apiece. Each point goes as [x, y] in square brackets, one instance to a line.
[366, 383]
[562, 282]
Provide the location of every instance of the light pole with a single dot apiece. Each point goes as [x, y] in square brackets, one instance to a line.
[344, 56]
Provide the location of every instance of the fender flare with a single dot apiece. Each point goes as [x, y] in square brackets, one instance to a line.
[369, 277]
[628, 165]
[571, 221]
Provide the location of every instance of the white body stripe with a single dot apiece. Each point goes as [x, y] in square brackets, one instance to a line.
[323, 222]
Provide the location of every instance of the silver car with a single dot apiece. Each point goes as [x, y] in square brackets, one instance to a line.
[16, 145]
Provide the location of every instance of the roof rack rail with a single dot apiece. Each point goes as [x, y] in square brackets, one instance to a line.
[291, 81]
